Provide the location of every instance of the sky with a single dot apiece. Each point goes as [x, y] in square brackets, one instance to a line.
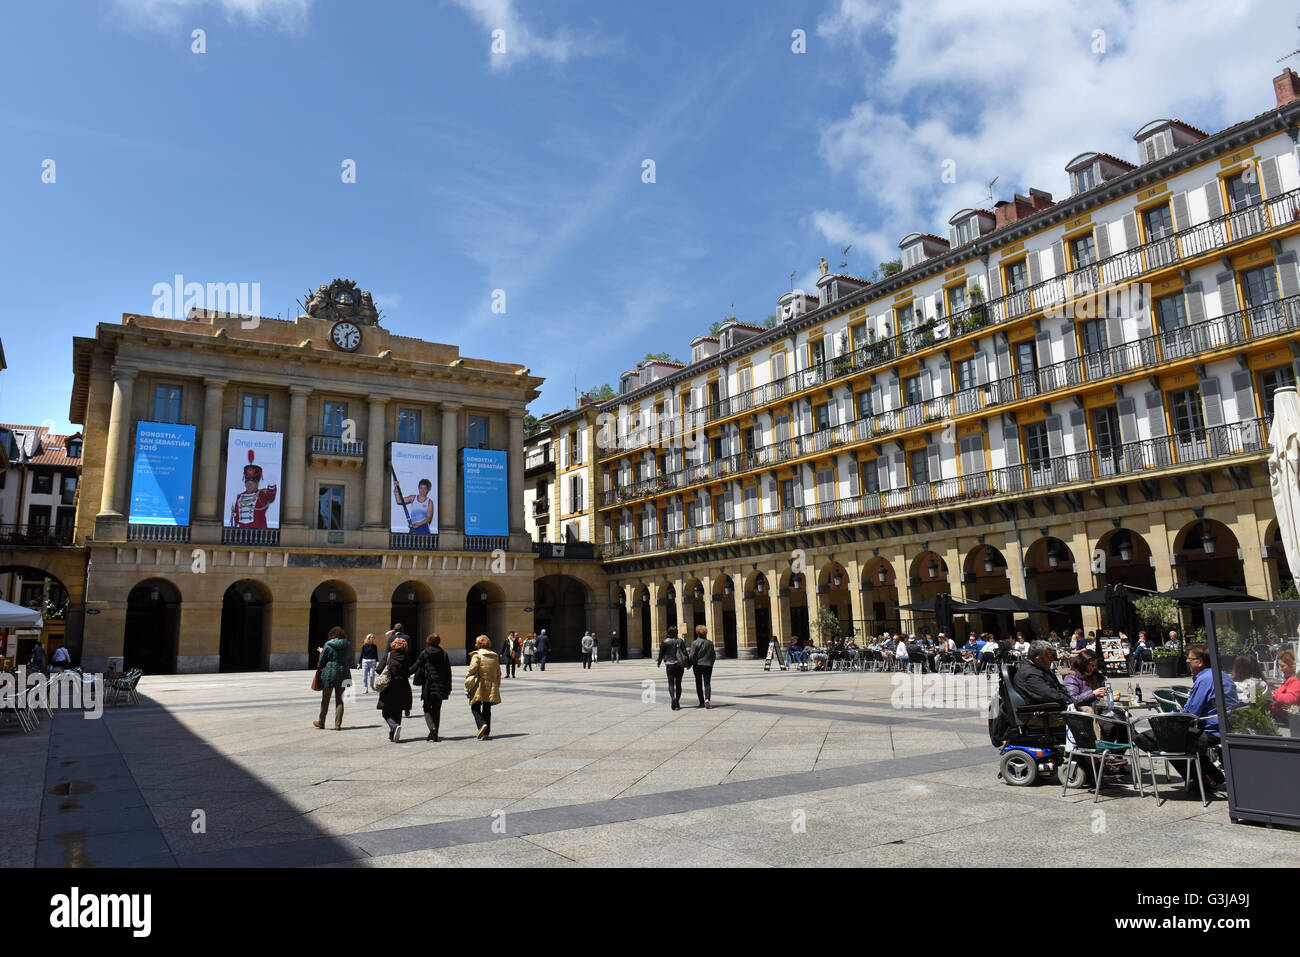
[624, 174]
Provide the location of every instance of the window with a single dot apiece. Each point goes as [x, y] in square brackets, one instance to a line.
[684, 401]
[966, 377]
[74, 448]
[477, 437]
[715, 448]
[858, 334]
[408, 426]
[822, 416]
[1017, 276]
[42, 483]
[65, 519]
[869, 477]
[252, 412]
[920, 466]
[1243, 190]
[1189, 421]
[1171, 314]
[1026, 357]
[1093, 335]
[541, 488]
[912, 256]
[964, 231]
[817, 350]
[744, 380]
[68, 496]
[787, 494]
[1269, 381]
[748, 436]
[575, 493]
[957, 299]
[1105, 430]
[38, 517]
[1259, 286]
[575, 448]
[330, 514]
[912, 390]
[1037, 452]
[778, 366]
[1085, 179]
[333, 419]
[1083, 251]
[864, 404]
[1159, 222]
[906, 317]
[167, 403]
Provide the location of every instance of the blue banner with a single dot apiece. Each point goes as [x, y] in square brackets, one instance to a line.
[487, 501]
[163, 475]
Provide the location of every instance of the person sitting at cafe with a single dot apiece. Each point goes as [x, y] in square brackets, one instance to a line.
[1084, 680]
[1200, 702]
[1080, 642]
[1248, 677]
[1288, 693]
[797, 654]
[1021, 647]
[1036, 681]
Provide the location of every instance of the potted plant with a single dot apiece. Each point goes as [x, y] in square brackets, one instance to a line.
[1253, 718]
[1166, 661]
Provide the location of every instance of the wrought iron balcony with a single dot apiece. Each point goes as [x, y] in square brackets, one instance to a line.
[35, 536]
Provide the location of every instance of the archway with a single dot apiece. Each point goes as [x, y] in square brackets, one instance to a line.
[333, 605]
[412, 607]
[485, 614]
[1277, 558]
[1126, 560]
[833, 593]
[724, 616]
[986, 577]
[39, 590]
[644, 612]
[880, 596]
[1051, 573]
[928, 577]
[758, 591]
[793, 593]
[669, 593]
[245, 623]
[560, 606]
[1208, 554]
[693, 599]
[153, 614]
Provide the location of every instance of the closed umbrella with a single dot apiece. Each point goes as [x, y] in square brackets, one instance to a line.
[1284, 472]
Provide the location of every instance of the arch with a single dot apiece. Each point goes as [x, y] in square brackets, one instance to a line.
[1125, 560]
[880, 597]
[694, 598]
[1207, 552]
[985, 577]
[757, 589]
[724, 599]
[153, 613]
[560, 604]
[485, 614]
[833, 586]
[38, 588]
[412, 605]
[245, 627]
[1051, 573]
[792, 593]
[1277, 556]
[333, 604]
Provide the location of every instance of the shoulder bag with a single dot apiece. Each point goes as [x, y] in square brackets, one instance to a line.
[381, 682]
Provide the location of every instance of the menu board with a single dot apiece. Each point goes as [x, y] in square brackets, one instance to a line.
[1113, 658]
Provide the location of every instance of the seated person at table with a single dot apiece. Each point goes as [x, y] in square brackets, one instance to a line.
[1084, 680]
[1080, 642]
[969, 650]
[989, 650]
[796, 653]
[1248, 677]
[1036, 681]
[1289, 692]
[1200, 702]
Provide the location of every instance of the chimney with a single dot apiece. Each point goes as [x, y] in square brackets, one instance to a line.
[1039, 198]
[1007, 212]
[1286, 86]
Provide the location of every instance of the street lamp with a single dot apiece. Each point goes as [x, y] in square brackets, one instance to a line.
[1126, 548]
[1053, 559]
[1208, 541]
[933, 568]
[760, 585]
[988, 561]
[699, 592]
[882, 575]
[837, 579]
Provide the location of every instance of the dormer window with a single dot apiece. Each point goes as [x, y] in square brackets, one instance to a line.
[74, 448]
[1085, 179]
[964, 232]
[697, 353]
[912, 256]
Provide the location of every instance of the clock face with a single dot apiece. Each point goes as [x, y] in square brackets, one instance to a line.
[346, 335]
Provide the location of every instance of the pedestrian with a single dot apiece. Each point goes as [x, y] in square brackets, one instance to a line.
[702, 657]
[61, 659]
[396, 633]
[673, 656]
[37, 661]
[395, 693]
[369, 659]
[588, 643]
[335, 675]
[543, 649]
[613, 647]
[510, 653]
[530, 650]
[483, 685]
[432, 674]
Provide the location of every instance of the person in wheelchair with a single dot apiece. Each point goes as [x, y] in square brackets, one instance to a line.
[1037, 683]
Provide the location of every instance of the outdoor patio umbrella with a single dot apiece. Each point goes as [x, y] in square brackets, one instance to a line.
[1284, 472]
[1096, 596]
[927, 606]
[1011, 603]
[1199, 593]
[16, 616]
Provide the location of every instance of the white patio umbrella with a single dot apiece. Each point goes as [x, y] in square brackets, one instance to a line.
[1284, 471]
[16, 616]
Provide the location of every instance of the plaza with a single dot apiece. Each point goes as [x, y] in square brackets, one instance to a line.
[585, 768]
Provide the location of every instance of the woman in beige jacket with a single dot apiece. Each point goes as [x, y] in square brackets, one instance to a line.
[483, 684]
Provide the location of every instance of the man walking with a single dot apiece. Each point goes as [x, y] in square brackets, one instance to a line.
[702, 657]
[543, 649]
[588, 642]
[613, 647]
[672, 655]
[510, 654]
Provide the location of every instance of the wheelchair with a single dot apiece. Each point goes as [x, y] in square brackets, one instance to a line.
[1030, 746]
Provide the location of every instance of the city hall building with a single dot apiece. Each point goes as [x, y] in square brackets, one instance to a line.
[249, 483]
[1059, 394]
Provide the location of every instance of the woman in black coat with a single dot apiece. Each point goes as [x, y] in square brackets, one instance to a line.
[432, 672]
[396, 698]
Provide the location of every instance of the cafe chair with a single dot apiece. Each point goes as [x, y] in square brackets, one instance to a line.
[1083, 728]
[1171, 732]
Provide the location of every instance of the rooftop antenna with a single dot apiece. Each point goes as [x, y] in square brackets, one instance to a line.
[990, 183]
[792, 282]
[845, 253]
[1293, 52]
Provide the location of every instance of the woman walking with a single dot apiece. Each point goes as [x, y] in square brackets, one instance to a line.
[530, 649]
[395, 696]
[335, 675]
[483, 685]
[369, 657]
[432, 672]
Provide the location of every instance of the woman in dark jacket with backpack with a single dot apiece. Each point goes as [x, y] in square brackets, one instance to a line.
[396, 697]
[432, 673]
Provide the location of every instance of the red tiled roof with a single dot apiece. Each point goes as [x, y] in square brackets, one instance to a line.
[53, 448]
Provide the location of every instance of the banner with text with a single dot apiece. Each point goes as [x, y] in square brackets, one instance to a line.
[487, 502]
[414, 471]
[163, 474]
[253, 479]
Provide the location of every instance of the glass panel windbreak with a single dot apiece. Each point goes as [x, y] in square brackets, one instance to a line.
[1256, 648]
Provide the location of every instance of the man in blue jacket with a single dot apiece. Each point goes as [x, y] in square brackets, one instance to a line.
[1200, 702]
[543, 648]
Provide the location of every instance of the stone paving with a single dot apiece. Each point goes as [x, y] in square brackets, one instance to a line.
[787, 768]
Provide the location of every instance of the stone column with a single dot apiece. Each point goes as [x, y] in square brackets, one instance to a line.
[515, 466]
[635, 634]
[448, 498]
[712, 616]
[119, 443]
[210, 450]
[853, 572]
[658, 617]
[746, 622]
[780, 606]
[377, 489]
[295, 463]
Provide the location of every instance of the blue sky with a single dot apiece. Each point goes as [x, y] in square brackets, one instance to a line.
[522, 171]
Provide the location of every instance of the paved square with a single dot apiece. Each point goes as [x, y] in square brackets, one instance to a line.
[787, 768]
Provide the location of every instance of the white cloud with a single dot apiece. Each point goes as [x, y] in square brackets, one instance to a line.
[522, 42]
[1015, 90]
[286, 15]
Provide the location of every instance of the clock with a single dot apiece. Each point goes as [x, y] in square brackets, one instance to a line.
[346, 335]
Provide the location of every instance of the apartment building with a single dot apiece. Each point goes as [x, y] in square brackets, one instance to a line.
[1061, 393]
